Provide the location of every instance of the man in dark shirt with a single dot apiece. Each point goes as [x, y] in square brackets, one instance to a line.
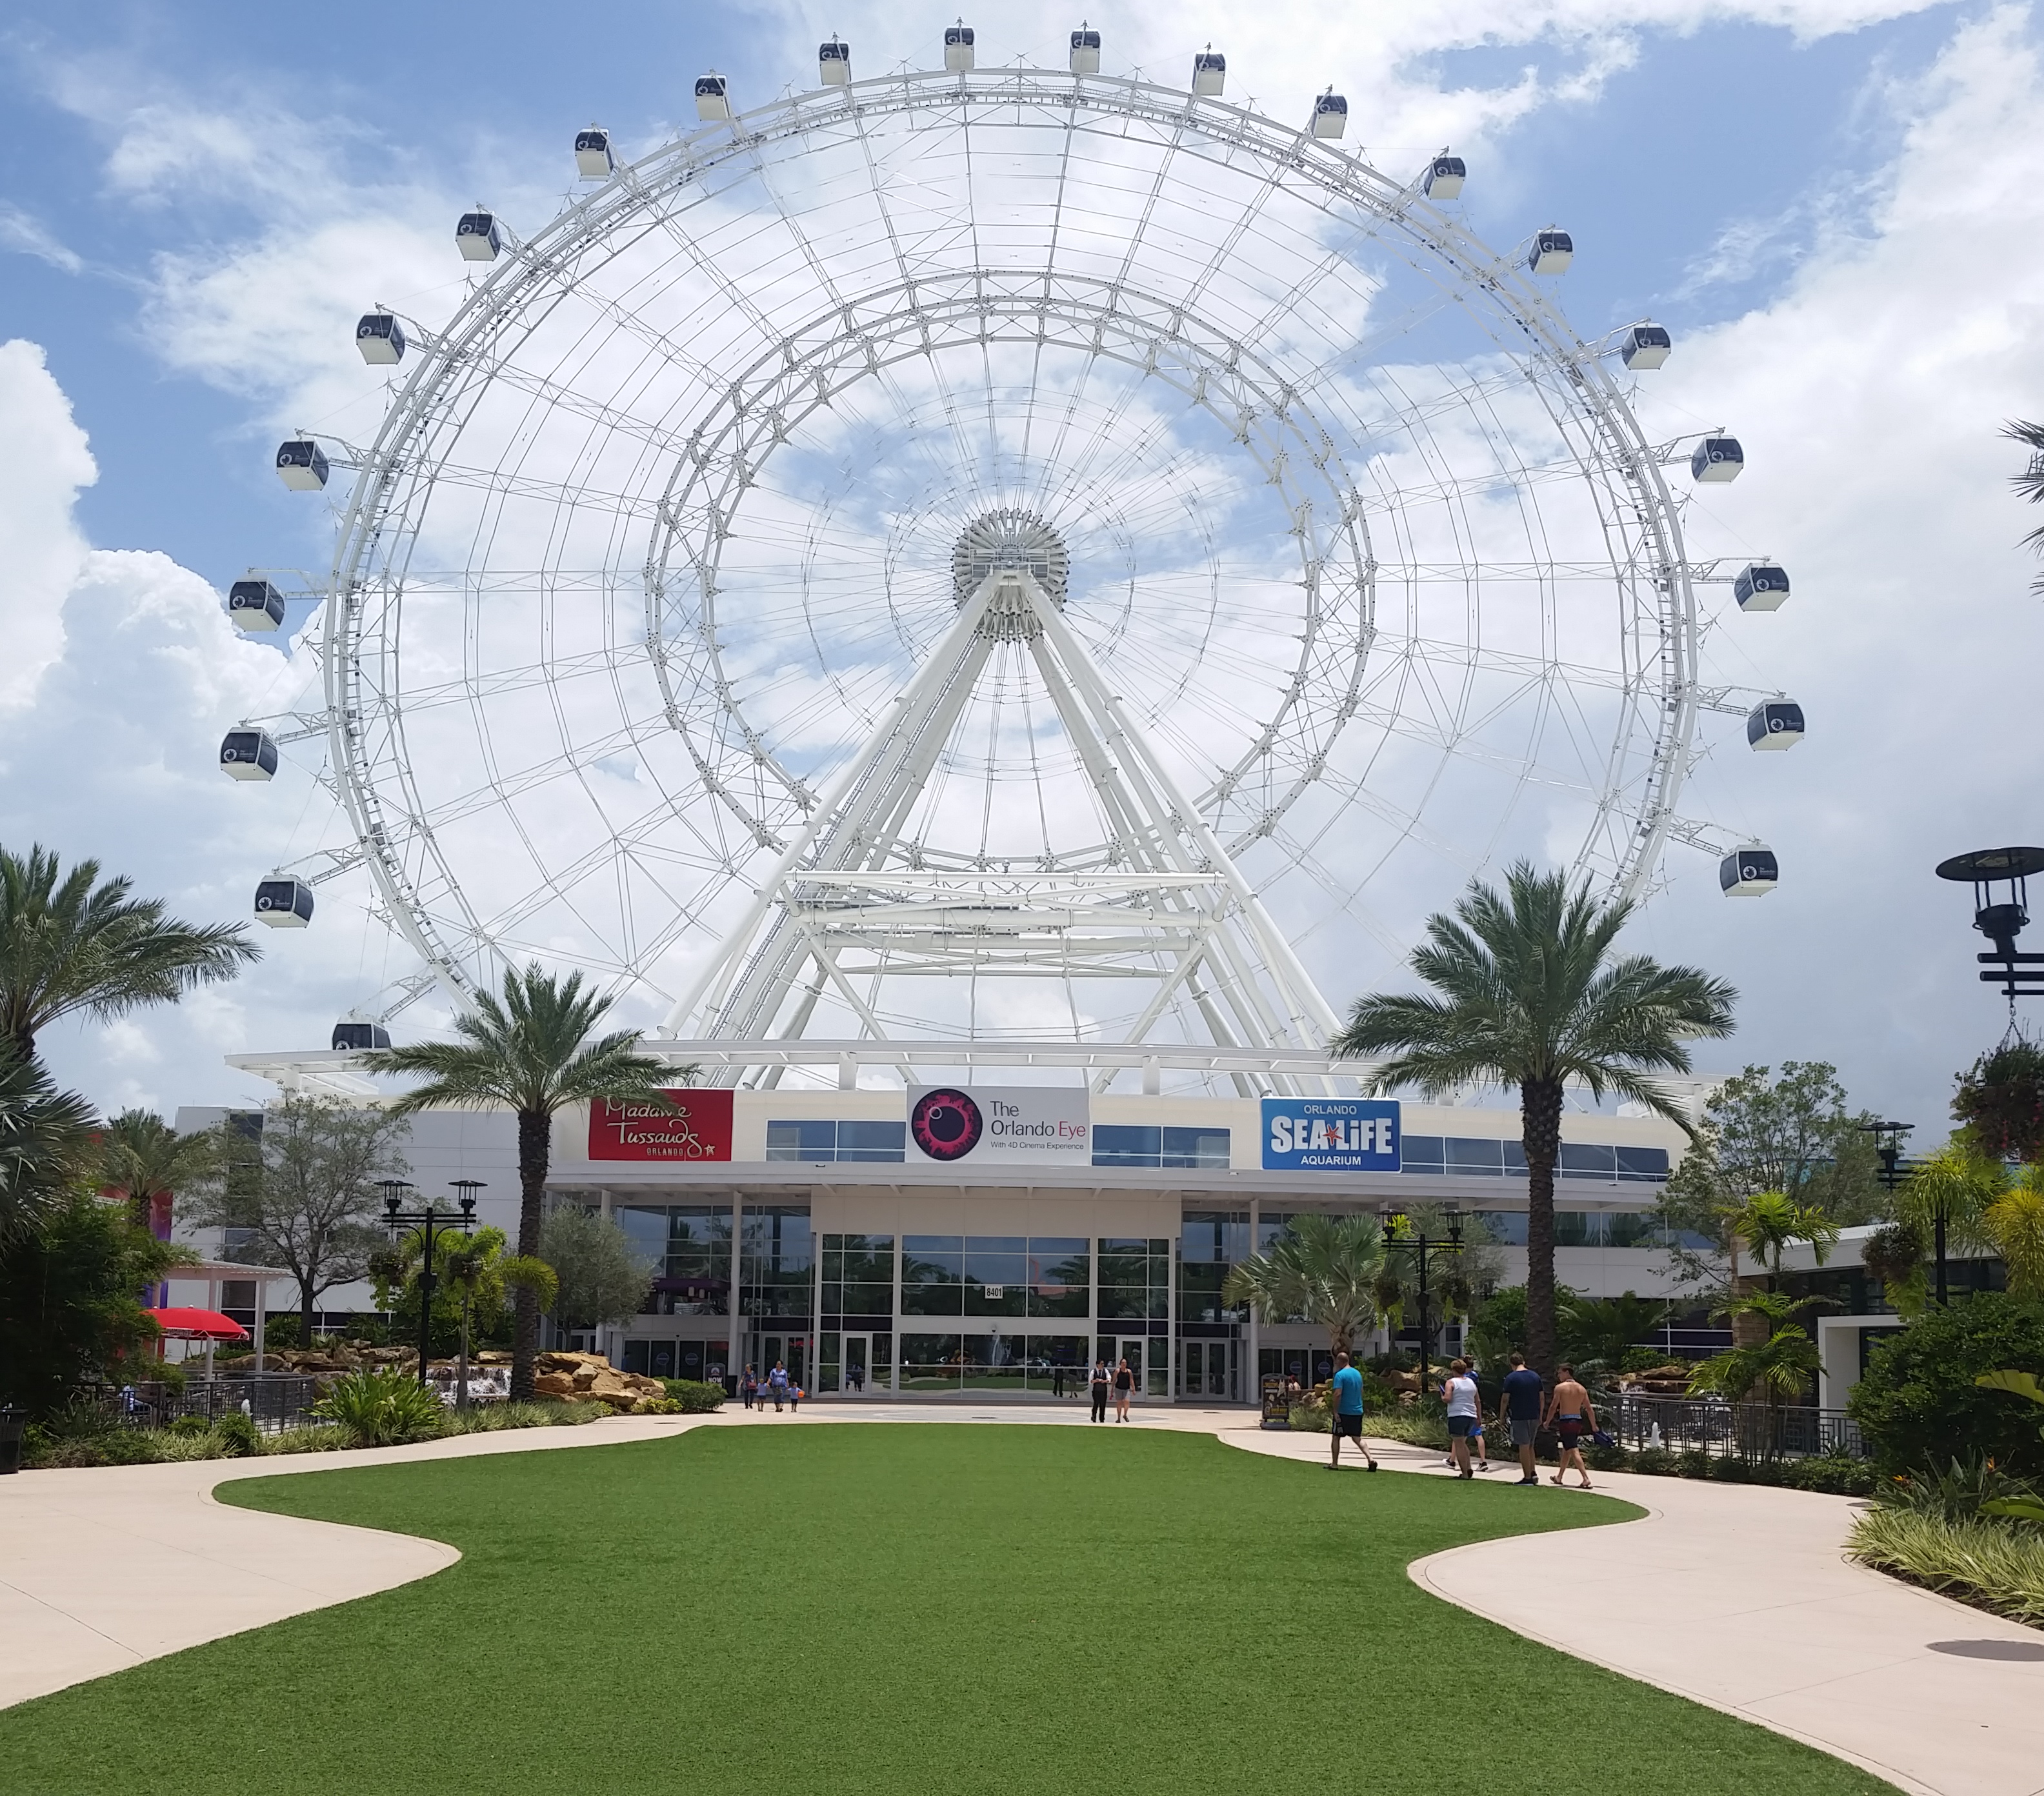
[1522, 1414]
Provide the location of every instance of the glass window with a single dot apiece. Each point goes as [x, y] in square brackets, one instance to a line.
[1514, 1159]
[822, 1140]
[858, 1277]
[996, 1275]
[1133, 1279]
[872, 1141]
[1049, 1355]
[1116, 1144]
[776, 1260]
[931, 1362]
[1423, 1153]
[1194, 1147]
[1471, 1157]
[933, 1277]
[994, 1362]
[1060, 1276]
[1581, 1160]
[1506, 1227]
[1578, 1228]
[1631, 1228]
[811, 1141]
[1643, 1163]
[1119, 1144]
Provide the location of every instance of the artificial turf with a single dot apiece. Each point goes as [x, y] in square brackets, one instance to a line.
[902, 1609]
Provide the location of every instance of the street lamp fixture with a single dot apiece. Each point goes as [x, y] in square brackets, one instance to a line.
[1887, 1149]
[1999, 878]
[428, 1222]
[1393, 1218]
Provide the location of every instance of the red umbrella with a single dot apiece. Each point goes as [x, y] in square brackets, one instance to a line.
[197, 1325]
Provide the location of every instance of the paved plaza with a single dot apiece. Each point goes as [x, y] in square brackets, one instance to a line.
[1737, 1597]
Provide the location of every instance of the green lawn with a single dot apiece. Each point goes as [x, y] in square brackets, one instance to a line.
[907, 1608]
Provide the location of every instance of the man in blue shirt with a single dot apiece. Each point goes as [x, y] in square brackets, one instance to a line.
[1347, 1399]
[1522, 1414]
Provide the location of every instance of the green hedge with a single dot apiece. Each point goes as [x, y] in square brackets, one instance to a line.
[1918, 1405]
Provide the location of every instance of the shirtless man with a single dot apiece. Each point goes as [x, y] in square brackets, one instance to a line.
[1570, 1416]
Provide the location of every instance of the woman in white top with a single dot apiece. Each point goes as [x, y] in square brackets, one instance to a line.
[1464, 1404]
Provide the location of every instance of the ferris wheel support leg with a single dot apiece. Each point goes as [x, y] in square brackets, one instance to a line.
[938, 667]
[1310, 1012]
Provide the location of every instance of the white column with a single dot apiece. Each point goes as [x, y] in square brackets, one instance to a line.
[735, 1364]
[1253, 1373]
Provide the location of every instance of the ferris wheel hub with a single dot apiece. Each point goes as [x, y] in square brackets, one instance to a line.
[1010, 540]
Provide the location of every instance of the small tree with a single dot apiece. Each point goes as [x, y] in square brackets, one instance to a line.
[2015, 1224]
[1790, 1133]
[1946, 1196]
[1599, 1332]
[143, 1160]
[477, 1272]
[305, 1190]
[602, 1277]
[530, 1052]
[1918, 1405]
[1779, 1366]
[70, 1310]
[1769, 1223]
[1324, 1269]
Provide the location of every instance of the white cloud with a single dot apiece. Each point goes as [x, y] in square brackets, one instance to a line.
[44, 461]
[27, 235]
[1870, 397]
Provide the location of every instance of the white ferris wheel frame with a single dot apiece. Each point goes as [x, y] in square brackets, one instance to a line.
[363, 727]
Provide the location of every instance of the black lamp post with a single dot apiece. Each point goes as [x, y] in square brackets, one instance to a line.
[1999, 915]
[429, 1221]
[1887, 1149]
[1395, 1237]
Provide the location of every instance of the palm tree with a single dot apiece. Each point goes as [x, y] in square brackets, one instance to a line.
[1527, 993]
[477, 1269]
[1767, 1224]
[529, 1052]
[45, 1144]
[2015, 1223]
[75, 946]
[1947, 1196]
[1602, 1330]
[2030, 483]
[1779, 1366]
[1325, 1269]
[142, 1158]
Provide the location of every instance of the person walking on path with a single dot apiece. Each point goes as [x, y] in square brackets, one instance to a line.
[794, 1396]
[1345, 1402]
[1101, 1382]
[1465, 1403]
[748, 1387]
[1124, 1388]
[777, 1384]
[1570, 1416]
[1520, 1402]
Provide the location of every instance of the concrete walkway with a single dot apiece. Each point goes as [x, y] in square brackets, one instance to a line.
[1736, 1597]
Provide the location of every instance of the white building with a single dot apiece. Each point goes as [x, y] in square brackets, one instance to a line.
[875, 1258]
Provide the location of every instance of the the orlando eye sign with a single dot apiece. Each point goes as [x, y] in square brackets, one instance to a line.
[1331, 1135]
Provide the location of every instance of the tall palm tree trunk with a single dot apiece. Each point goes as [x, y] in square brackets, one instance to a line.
[535, 1150]
[1540, 1125]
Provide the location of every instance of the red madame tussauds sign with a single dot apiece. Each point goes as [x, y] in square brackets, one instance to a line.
[698, 1127]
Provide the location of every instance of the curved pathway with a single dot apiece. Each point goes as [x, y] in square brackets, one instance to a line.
[1736, 1597]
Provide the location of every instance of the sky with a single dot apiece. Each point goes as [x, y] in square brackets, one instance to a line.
[1833, 204]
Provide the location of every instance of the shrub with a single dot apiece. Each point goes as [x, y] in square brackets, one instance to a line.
[1613, 1458]
[327, 1439]
[1307, 1419]
[1693, 1463]
[238, 1435]
[1918, 1405]
[1415, 1426]
[382, 1409]
[42, 1449]
[1837, 1474]
[1954, 1494]
[694, 1397]
[1983, 1562]
[1656, 1462]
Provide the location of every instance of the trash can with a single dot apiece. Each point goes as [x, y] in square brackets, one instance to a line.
[12, 1422]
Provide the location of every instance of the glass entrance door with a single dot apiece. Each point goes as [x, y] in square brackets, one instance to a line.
[1130, 1349]
[858, 1357]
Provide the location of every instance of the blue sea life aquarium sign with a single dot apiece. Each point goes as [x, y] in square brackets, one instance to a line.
[1331, 1135]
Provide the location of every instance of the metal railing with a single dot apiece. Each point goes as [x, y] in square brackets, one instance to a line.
[275, 1400]
[1752, 1431]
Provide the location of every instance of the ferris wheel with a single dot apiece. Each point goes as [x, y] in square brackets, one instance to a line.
[1000, 552]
